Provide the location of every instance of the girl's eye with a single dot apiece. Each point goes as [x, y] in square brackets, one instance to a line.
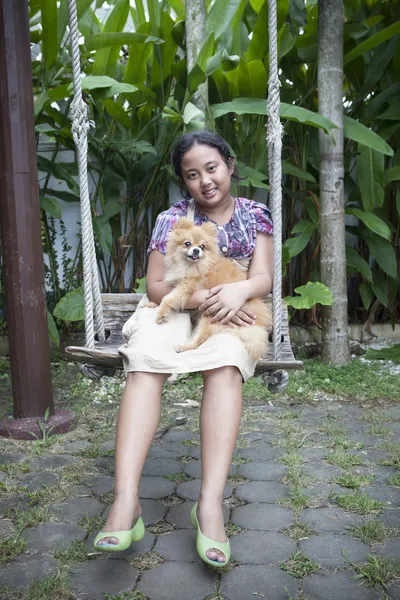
[202, 247]
[192, 175]
[212, 168]
[187, 244]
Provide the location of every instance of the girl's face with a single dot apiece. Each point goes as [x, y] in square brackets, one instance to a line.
[206, 176]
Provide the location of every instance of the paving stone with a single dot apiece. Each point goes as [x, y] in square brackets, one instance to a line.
[24, 570]
[332, 584]
[180, 515]
[252, 582]
[178, 581]
[54, 461]
[373, 454]
[49, 536]
[321, 471]
[364, 438]
[262, 491]
[155, 487]
[107, 447]
[168, 450]
[152, 511]
[334, 550]
[384, 493]
[389, 549]
[101, 484]
[261, 548]
[103, 463]
[178, 435]
[390, 517]
[74, 509]
[178, 546]
[329, 520]
[94, 579]
[318, 493]
[35, 481]
[193, 468]
[190, 490]
[313, 454]
[382, 474]
[136, 549]
[75, 446]
[159, 467]
[258, 471]
[14, 503]
[195, 452]
[261, 452]
[6, 528]
[7, 458]
[262, 517]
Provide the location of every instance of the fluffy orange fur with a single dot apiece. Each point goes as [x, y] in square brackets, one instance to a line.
[193, 262]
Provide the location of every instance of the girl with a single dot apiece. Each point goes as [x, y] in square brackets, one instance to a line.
[203, 163]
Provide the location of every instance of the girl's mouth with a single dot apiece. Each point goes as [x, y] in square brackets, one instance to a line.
[210, 193]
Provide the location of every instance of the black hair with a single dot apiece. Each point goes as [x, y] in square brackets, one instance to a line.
[206, 138]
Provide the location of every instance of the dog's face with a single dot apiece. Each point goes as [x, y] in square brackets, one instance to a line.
[190, 244]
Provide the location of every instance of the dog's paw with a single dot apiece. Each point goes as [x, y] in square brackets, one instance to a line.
[150, 305]
[179, 349]
[161, 319]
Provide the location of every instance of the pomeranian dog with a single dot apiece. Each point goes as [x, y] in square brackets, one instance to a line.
[193, 262]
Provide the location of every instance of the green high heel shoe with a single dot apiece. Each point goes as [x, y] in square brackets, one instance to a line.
[203, 543]
[125, 538]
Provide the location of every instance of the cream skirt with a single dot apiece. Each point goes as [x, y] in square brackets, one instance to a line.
[149, 347]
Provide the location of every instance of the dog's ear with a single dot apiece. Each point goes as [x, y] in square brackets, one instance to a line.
[210, 228]
[183, 223]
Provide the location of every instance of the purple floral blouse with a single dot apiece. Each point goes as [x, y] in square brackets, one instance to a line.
[236, 239]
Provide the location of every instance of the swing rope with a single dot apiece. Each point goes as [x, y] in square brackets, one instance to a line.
[78, 114]
[79, 117]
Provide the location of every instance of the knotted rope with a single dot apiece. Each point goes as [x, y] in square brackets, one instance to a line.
[78, 114]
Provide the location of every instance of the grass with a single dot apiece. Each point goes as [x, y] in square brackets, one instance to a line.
[372, 532]
[232, 529]
[298, 531]
[354, 482]
[147, 561]
[289, 415]
[133, 595]
[239, 460]
[92, 524]
[54, 588]
[345, 444]
[359, 503]
[395, 480]
[28, 518]
[237, 480]
[344, 460]
[15, 469]
[375, 418]
[161, 527]
[299, 565]
[378, 571]
[11, 547]
[76, 552]
[380, 430]
[292, 460]
[296, 500]
[332, 429]
[179, 477]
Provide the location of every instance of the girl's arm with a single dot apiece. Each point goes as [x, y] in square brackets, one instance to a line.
[225, 301]
[156, 288]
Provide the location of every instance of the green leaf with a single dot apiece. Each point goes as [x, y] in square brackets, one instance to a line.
[289, 169]
[198, 74]
[53, 331]
[191, 113]
[380, 287]
[140, 286]
[48, 9]
[71, 307]
[105, 40]
[357, 263]
[366, 295]
[377, 102]
[103, 232]
[391, 175]
[372, 42]
[310, 294]
[356, 131]
[391, 353]
[303, 115]
[297, 12]
[96, 82]
[384, 254]
[391, 114]
[258, 46]
[66, 196]
[51, 206]
[373, 222]
[106, 59]
[398, 203]
[58, 171]
[81, 7]
[116, 110]
[220, 16]
[301, 226]
[370, 165]
[297, 244]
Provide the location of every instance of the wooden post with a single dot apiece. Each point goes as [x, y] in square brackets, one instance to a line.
[21, 232]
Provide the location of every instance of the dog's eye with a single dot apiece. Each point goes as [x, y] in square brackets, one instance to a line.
[187, 244]
[202, 247]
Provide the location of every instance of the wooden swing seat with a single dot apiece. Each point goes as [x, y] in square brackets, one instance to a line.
[117, 308]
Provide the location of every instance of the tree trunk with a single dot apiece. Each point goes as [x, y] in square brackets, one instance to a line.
[335, 342]
[195, 24]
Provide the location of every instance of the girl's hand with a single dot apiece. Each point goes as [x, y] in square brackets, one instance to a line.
[224, 302]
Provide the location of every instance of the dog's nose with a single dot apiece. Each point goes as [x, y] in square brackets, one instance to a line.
[196, 252]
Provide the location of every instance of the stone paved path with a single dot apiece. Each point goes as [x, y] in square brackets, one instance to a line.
[297, 529]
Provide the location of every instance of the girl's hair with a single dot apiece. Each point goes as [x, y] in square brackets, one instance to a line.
[206, 138]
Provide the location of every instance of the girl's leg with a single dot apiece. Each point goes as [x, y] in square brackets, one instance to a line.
[220, 413]
[138, 418]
